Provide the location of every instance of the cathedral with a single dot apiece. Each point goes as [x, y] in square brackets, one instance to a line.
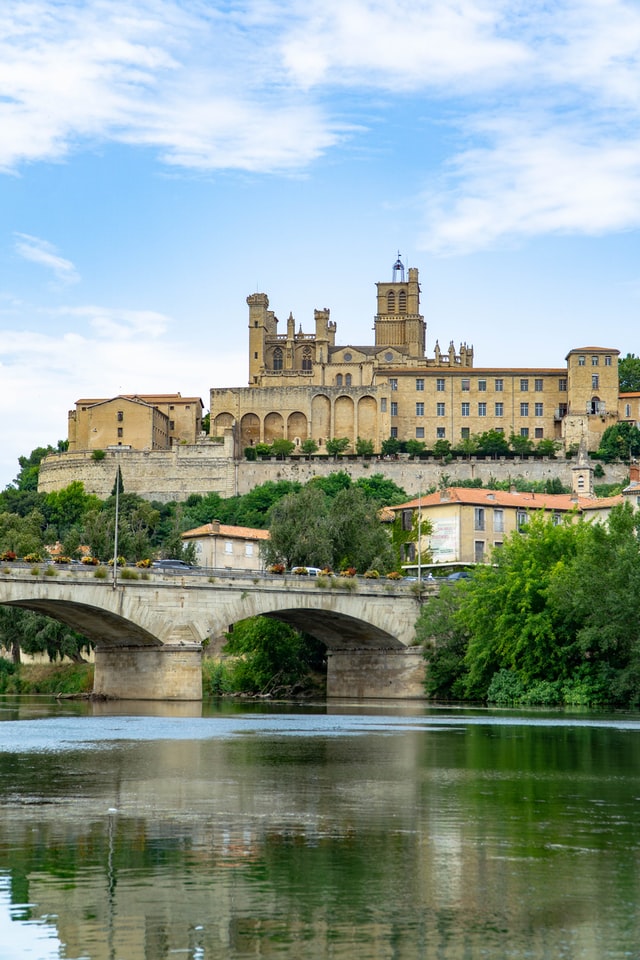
[305, 385]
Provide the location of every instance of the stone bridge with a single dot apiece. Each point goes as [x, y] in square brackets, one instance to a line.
[149, 632]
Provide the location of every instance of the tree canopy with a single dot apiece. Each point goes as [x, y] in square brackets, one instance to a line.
[556, 618]
[629, 373]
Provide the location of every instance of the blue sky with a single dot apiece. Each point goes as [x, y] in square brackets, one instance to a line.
[161, 160]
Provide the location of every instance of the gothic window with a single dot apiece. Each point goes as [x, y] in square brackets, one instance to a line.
[347, 380]
[277, 359]
[306, 359]
[391, 302]
[402, 301]
[339, 380]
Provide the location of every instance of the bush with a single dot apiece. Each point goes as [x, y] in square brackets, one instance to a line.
[300, 571]
[371, 575]
[348, 572]
[250, 453]
[129, 574]
[394, 575]
[90, 561]
[278, 568]
[505, 688]
[98, 455]
[216, 679]
[8, 555]
[144, 564]
[100, 573]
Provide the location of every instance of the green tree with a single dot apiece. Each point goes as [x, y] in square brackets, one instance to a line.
[358, 539]
[444, 641]
[309, 447]
[391, 447]
[364, 448]
[337, 446]
[282, 448]
[381, 490]
[467, 446]
[27, 478]
[442, 449]
[493, 443]
[629, 373]
[415, 447]
[270, 655]
[22, 535]
[520, 445]
[621, 441]
[299, 534]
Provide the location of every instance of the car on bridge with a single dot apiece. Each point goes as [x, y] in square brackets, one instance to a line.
[171, 565]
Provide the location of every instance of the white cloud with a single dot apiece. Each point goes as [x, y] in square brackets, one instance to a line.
[44, 253]
[259, 85]
[532, 181]
[110, 352]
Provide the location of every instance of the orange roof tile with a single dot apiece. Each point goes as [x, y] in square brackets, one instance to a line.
[476, 496]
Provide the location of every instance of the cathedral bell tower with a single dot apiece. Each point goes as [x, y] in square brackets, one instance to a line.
[398, 322]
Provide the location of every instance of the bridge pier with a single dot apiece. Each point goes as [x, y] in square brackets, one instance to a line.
[395, 674]
[149, 673]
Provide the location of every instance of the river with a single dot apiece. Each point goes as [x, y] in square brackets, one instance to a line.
[341, 831]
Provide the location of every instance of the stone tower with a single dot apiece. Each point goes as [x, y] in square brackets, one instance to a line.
[398, 322]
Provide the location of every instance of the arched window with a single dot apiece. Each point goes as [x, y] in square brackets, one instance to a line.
[347, 380]
[391, 302]
[306, 359]
[277, 359]
[339, 380]
[402, 301]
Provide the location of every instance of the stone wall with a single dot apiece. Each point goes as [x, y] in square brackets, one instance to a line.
[209, 467]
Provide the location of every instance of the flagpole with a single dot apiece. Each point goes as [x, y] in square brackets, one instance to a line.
[115, 535]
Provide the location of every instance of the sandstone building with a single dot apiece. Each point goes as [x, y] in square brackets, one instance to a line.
[135, 421]
[305, 385]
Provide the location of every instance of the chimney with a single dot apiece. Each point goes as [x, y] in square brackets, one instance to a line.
[634, 472]
[215, 527]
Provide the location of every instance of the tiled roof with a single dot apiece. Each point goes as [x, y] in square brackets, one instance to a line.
[474, 496]
[224, 530]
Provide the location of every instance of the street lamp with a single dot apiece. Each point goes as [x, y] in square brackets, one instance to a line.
[419, 477]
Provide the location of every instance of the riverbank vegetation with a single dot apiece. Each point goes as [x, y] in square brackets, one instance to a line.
[554, 620]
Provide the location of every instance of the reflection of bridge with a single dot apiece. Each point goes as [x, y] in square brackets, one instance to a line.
[149, 632]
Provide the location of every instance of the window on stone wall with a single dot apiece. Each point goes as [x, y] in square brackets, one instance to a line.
[420, 433]
[498, 521]
[420, 409]
[607, 361]
[277, 359]
[393, 383]
[402, 301]
[383, 405]
[524, 409]
[465, 433]
[581, 361]
[594, 361]
[120, 416]
[394, 408]
[562, 384]
[347, 380]
[482, 409]
[440, 384]
[482, 386]
[391, 302]
[539, 409]
[539, 433]
[524, 431]
[440, 410]
[441, 433]
[394, 432]
[499, 385]
[465, 385]
[595, 381]
[120, 432]
[539, 384]
[339, 380]
[306, 359]
[420, 384]
[524, 385]
[228, 546]
[499, 409]
[248, 549]
[465, 409]
[172, 424]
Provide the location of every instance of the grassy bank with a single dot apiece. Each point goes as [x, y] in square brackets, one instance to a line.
[51, 678]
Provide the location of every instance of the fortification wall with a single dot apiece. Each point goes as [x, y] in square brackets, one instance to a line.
[206, 468]
[161, 475]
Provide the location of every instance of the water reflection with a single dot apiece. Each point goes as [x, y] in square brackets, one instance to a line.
[319, 834]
